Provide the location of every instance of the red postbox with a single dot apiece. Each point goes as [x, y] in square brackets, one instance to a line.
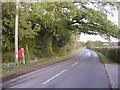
[21, 53]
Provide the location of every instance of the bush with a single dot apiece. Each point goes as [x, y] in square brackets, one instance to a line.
[110, 53]
[8, 57]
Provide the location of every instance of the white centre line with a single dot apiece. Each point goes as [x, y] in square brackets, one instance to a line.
[75, 64]
[53, 77]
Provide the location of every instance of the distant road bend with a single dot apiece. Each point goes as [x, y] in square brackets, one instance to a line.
[81, 71]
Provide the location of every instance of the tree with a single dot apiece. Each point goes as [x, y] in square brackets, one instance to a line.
[46, 23]
[119, 43]
[90, 44]
[99, 44]
[8, 23]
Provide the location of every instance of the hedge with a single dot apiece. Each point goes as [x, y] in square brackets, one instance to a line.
[110, 53]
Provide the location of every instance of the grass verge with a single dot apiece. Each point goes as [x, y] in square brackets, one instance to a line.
[104, 59]
[14, 70]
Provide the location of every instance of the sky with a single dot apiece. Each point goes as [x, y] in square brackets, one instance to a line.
[86, 37]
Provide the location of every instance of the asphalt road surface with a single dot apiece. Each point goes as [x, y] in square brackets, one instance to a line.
[81, 71]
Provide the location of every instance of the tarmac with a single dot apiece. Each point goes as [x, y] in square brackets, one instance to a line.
[113, 74]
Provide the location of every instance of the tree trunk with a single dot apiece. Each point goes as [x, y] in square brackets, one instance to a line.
[50, 50]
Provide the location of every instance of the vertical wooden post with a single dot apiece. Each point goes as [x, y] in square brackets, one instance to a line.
[23, 56]
[27, 52]
[16, 33]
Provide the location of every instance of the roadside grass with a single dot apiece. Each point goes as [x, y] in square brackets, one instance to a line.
[11, 68]
[104, 59]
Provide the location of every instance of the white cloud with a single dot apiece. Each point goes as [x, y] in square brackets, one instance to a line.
[86, 37]
[113, 18]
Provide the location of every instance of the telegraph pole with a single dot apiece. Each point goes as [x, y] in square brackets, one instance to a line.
[16, 33]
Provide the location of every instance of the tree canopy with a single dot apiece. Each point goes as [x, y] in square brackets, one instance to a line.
[58, 21]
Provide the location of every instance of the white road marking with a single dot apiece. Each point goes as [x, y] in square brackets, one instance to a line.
[53, 77]
[75, 64]
[89, 53]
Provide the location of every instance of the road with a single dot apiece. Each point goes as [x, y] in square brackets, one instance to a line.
[81, 71]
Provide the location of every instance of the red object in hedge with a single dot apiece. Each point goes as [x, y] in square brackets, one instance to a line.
[21, 53]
